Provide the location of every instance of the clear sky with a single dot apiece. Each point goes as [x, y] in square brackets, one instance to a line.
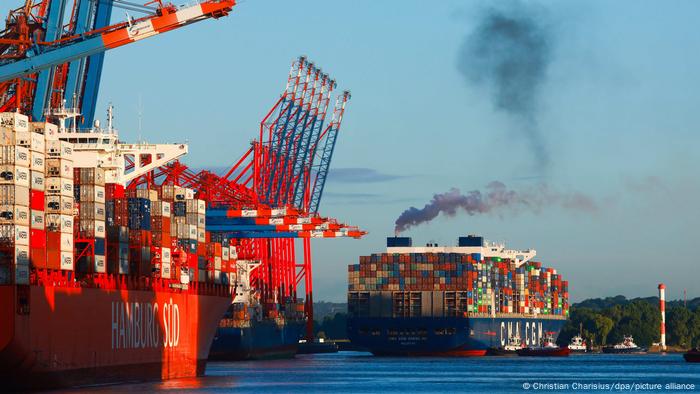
[617, 113]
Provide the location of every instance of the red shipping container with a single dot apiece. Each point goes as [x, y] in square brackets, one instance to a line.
[53, 259]
[38, 257]
[114, 191]
[37, 238]
[53, 241]
[36, 200]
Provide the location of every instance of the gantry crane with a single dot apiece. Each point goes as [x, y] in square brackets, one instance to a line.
[46, 58]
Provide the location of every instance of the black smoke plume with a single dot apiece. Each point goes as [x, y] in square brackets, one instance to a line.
[497, 198]
[508, 52]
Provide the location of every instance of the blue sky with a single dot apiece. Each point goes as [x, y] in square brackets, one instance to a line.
[617, 111]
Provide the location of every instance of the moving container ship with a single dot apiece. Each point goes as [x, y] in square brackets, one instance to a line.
[453, 301]
[99, 283]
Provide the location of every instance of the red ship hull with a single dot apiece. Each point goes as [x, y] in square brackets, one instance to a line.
[692, 356]
[64, 336]
[545, 352]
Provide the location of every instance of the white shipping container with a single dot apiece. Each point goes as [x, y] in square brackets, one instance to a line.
[201, 221]
[217, 263]
[100, 229]
[192, 232]
[60, 149]
[23, 138]
[60, 223]
[165, 255]
[15, 121]
[100, 265]
[38, 162]
[201, 235]
[59, 168]
[37, 220]
[21, 255]
[38, 142]
[201, 207]
[224, 253]
[67, 261]
[62, 186]
[21, 274]
[59, 205]
[189, 194]
[37, 181]
[49, 130]
[14, 195]
[14, 214]
[67, 242]
[165, 270]
[19, 233]
[14, 155]
[232, 254]
[179, 193]
[14, 175]
[7, 138]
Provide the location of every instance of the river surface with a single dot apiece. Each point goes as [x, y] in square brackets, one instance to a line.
[355, 372]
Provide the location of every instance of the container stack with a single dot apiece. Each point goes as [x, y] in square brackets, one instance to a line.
[52, 211]
[465, 284]
[161, 238]
[15, 160]
[117, 222]
[37, 195]
[90, 199]
[60, 205]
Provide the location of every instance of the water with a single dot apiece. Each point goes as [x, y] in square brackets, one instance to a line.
[355, 372]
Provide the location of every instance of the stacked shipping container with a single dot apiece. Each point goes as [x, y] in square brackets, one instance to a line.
[53, 214]
[464, 283]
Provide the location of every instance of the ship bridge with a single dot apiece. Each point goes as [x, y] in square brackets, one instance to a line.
[471, 244]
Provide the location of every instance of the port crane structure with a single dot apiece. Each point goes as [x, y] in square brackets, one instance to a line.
[52, 53]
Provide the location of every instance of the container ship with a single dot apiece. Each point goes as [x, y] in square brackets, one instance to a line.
[251, 330]
[98, 282]
[452, 300]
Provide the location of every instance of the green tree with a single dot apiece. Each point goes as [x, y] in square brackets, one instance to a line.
[600, 327]
[679, 326]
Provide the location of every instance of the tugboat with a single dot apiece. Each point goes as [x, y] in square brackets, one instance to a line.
[547, 349]
[318, 345]
[692, 356]
[510, 349]
[578, 345]
[626, 347]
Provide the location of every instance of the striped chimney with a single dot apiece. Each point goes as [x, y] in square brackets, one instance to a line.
[662, 308]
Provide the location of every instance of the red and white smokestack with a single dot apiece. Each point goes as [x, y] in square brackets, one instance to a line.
[662, 308]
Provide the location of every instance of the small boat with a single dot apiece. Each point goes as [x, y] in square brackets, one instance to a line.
[547, 349]
[626, 347]
[510, 349]
[692, 356]
[318, 345]
[578, 345]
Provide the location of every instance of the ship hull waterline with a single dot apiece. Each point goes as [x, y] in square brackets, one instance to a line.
[441, 336]
[66, 337]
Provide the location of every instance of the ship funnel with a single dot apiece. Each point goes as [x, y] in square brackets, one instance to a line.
[393, 242]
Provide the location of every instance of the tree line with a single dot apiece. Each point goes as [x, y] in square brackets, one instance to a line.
[606, 321]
